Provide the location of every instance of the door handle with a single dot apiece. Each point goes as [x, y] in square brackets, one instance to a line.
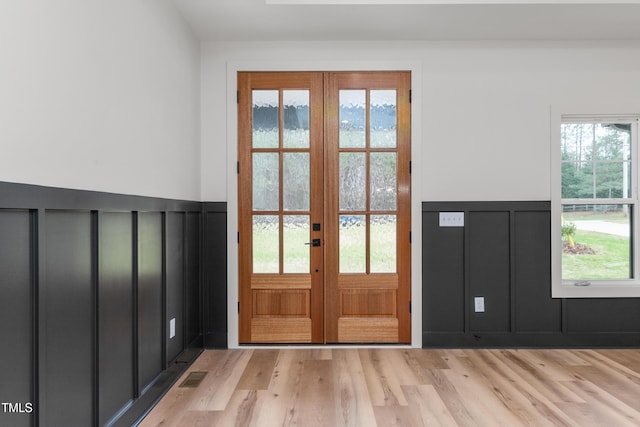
[314, 242]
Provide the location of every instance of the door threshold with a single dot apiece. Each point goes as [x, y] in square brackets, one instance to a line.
[316, 346]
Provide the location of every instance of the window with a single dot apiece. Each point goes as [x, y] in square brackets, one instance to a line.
[595, 206]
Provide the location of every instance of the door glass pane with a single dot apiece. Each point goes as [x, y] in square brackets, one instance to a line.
[296, 181]
[383, 118]
[265, 181]
[296, 118]
[353, 175]
[383, 243]
[265, 119]
[295, 252]
[353, 118]
[266, 244]
[383, 181]
[596, 241]
[353, 244]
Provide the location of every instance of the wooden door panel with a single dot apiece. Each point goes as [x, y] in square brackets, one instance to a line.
[286, 330]
[368, 303]
[281, 303]
[368, 330]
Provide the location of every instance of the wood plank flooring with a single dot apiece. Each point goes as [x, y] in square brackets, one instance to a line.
[407, 387]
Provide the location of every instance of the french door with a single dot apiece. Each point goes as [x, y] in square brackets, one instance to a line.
[324, 207]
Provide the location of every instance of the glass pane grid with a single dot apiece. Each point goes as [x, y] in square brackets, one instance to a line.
[281, 181]
[596, 161]
[368, 181]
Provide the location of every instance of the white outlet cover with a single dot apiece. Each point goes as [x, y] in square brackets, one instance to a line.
[172, 328]
[479, 304]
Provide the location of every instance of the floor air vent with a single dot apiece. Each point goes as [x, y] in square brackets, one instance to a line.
[194, 379]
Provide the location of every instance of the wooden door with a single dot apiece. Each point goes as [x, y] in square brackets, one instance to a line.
[324, 207]
[367, 207]
[280, 199]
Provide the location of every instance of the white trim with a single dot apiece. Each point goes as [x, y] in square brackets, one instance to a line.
[233, 68]
[597, 288]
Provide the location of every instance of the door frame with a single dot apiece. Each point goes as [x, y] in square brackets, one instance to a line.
[232, 179]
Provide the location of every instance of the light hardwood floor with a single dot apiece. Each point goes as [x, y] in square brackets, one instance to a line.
[407, 387]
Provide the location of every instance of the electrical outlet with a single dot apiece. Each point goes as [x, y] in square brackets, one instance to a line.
[479, 304]
[451, 219]
[172, 328]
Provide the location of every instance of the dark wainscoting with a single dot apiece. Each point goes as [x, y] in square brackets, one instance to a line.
[17, 313]
[89, 282]
[215, 275]
[503, 253]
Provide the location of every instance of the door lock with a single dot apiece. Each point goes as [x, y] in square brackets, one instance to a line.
[314, 242]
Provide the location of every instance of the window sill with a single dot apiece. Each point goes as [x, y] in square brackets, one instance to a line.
[597, 289]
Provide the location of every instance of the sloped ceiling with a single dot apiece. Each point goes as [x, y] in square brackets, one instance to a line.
[251, 20]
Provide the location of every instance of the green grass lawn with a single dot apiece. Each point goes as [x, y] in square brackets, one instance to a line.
[352, 249]
[616, 216]
[611, 260]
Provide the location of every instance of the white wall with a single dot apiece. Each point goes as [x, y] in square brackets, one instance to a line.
[485, 105]
[100, 95]
[481, 117]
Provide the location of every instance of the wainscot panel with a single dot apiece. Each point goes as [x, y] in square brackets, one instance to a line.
[89, 283]
[115, 313]
[488, 255]
[443, 270]
[193, 302]
[175, 268]
[150, 323]
[503, 254]
[16, 309]
[215, 275]
[67, 380]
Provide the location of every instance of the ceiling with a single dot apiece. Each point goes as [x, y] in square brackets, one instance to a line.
[254, 20]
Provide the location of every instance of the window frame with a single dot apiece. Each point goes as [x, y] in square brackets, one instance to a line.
[598, 288]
